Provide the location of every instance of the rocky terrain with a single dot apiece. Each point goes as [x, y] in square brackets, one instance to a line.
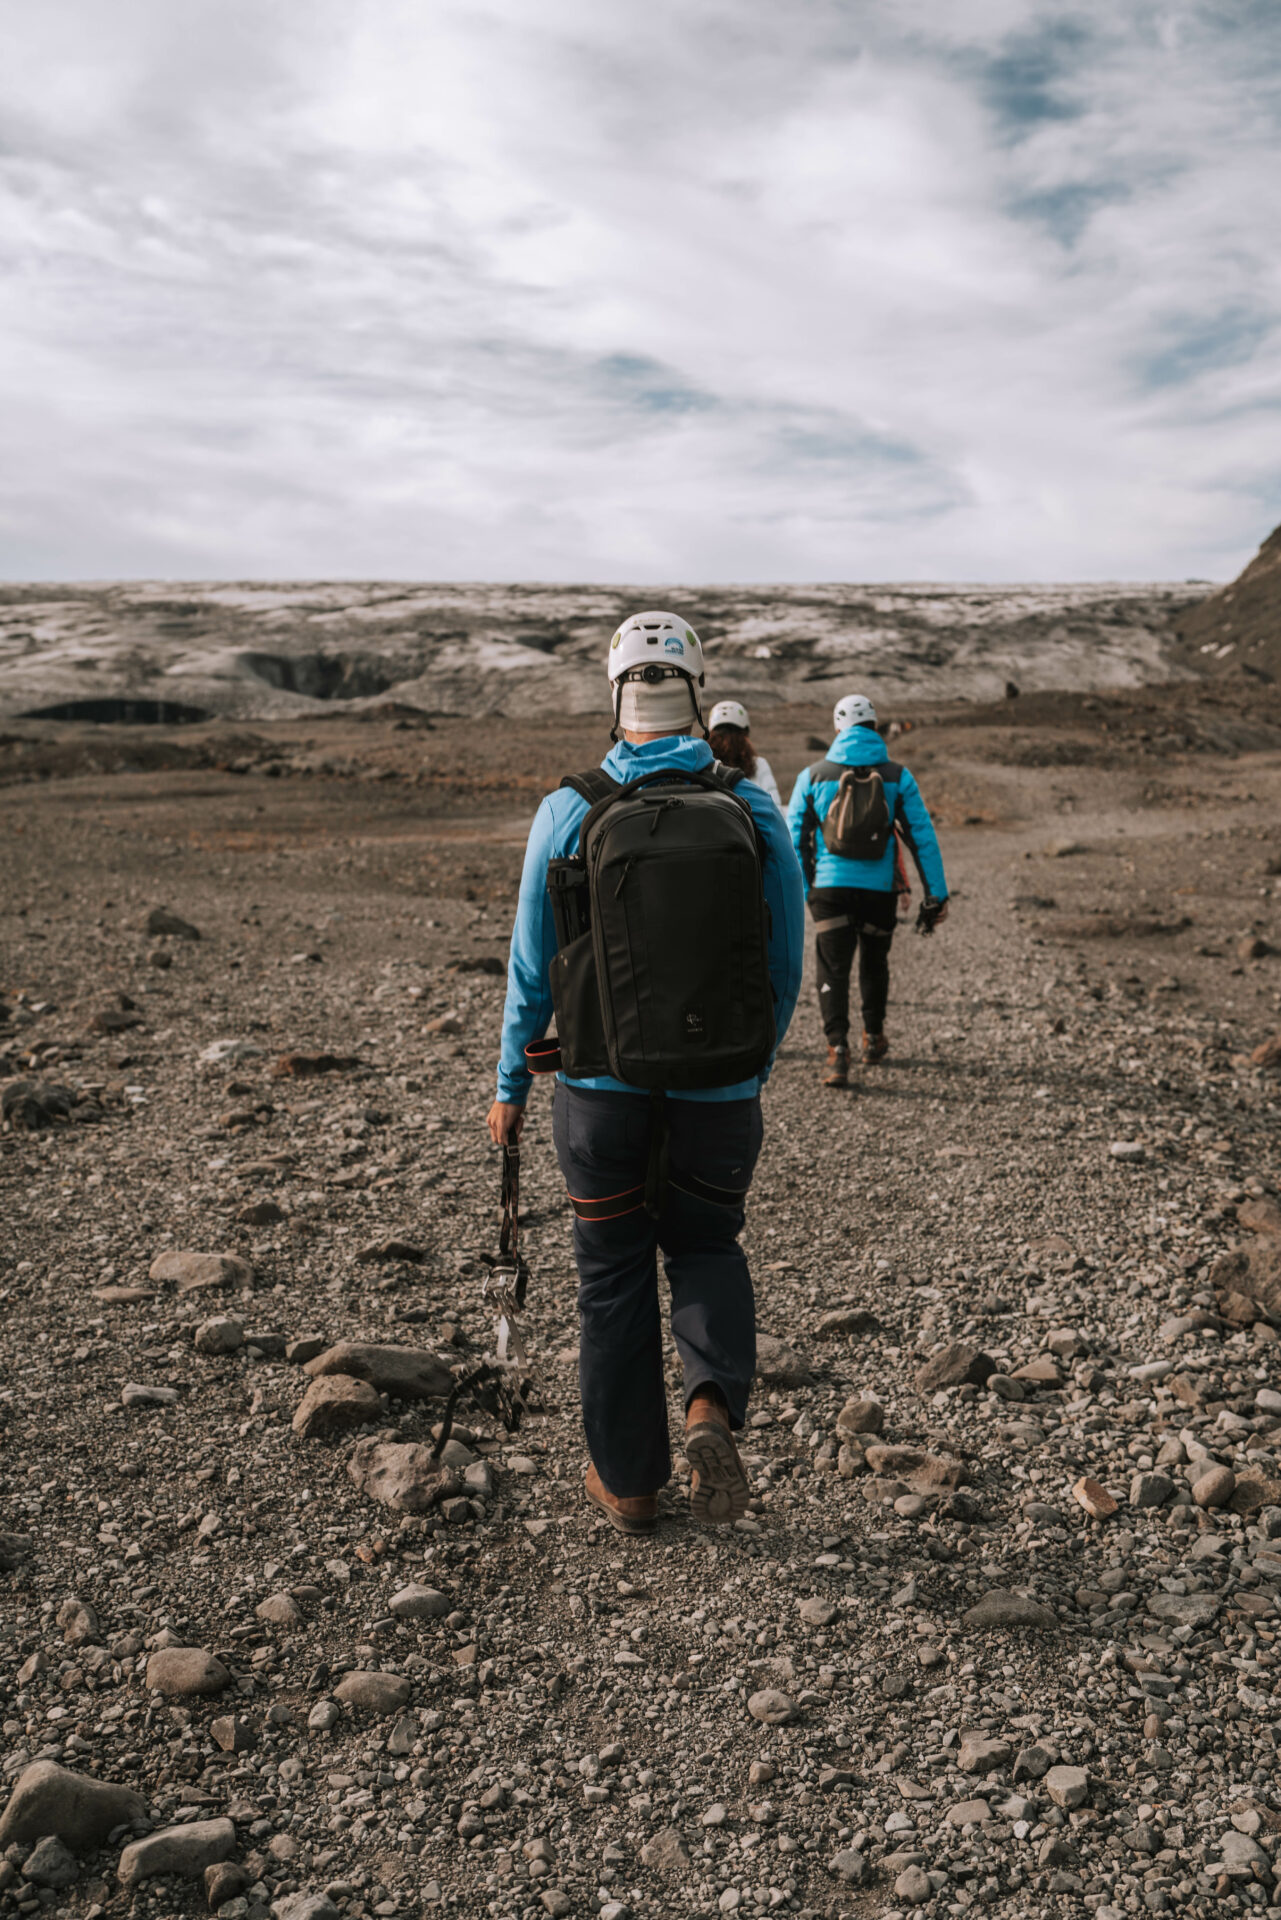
[175, 654]
[1237, 630]
[1000, 1632]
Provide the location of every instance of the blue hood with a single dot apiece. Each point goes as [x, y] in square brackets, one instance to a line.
[628, 762]
[859, 747]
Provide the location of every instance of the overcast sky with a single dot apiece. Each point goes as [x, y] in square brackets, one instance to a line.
[639, 290]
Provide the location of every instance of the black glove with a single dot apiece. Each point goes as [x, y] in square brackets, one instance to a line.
[927, 918]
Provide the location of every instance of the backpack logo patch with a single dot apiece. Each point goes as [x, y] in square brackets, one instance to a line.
[694, 1025]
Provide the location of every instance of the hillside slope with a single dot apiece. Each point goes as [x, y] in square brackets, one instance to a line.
[1238, 629]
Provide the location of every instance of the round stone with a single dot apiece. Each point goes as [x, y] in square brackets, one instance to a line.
[772, 1708]
[913, 1885]
[1215, 1487]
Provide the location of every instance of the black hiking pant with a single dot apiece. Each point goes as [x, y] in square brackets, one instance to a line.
[849, 920]
[603, 1143]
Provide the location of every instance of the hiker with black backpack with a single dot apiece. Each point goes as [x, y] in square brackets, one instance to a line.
[661, 920]
[845, 815]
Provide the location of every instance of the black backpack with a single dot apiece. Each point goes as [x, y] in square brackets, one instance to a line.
[661, 978]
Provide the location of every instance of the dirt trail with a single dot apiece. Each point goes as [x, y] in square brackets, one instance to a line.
[576, 1729]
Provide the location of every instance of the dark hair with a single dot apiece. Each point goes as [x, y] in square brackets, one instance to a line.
[733, 747]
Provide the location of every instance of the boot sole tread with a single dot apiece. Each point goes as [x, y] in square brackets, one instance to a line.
[722, 1493]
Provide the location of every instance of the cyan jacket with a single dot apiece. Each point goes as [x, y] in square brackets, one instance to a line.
[554, 835]
[807, 809]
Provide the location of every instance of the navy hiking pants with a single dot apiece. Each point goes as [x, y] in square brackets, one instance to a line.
[603, 1143]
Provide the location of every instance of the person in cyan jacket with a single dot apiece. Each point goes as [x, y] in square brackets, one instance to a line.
[852, 902]
[605, 1140]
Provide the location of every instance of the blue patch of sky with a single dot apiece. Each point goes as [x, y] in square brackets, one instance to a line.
[843, 443]
[1065, 212]
[799, 441]
[1033, 77]
[1194, 344]
[840, 454]
[653, 388]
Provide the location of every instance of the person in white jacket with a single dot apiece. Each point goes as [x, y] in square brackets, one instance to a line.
[729, 737]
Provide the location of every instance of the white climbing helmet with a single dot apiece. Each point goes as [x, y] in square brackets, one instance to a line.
[650, 639]
[656, 647]
[855, 710]
[729, 713]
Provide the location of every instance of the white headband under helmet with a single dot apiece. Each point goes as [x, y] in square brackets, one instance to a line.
[655, 649]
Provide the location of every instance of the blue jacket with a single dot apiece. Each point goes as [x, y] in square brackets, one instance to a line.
[554, 834]
[807, 809]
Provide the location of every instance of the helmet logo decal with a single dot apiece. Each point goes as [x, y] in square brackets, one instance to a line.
[673, 645]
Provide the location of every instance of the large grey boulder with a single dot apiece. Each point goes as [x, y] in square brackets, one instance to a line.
[49, 1799]
[187, 1850]
[665, 1852]
[1184, 1609]
[409, 1373]
[50, 1864]
[178, 1671]
[777, 1365]
[1000, 1608]
[305, 1906]
[197, 1272]
[373, 1693]
[163, 924]
[955, 1366]
[401, 1474]
[415, 1602]
[335, 1403]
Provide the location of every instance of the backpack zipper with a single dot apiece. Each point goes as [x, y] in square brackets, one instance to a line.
[659, 811]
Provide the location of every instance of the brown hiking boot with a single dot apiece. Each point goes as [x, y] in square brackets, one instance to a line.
[838, 1067]
[638, 1514]
[719, 1491]
[875, 1047]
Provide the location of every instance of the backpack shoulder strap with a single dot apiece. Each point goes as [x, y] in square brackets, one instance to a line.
[727, 776]
[594, 785]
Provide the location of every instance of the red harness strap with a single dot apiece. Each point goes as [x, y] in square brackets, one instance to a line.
[612, 1206]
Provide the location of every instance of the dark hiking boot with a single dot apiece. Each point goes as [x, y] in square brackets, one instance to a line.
[875, 1048]
[638, 1514]
[838, 1067]
[719, 1491]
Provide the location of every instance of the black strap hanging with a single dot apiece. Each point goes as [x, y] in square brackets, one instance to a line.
[504, 1386]
[510, 1258]
[659, 1149]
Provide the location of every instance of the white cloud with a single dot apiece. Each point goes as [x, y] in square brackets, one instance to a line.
[674, 292]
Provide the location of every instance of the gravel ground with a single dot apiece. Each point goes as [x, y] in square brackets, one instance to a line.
[932, 1670]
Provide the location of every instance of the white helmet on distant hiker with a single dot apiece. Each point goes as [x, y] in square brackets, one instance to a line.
[654, 649]
[729, 713]
[855, 710]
